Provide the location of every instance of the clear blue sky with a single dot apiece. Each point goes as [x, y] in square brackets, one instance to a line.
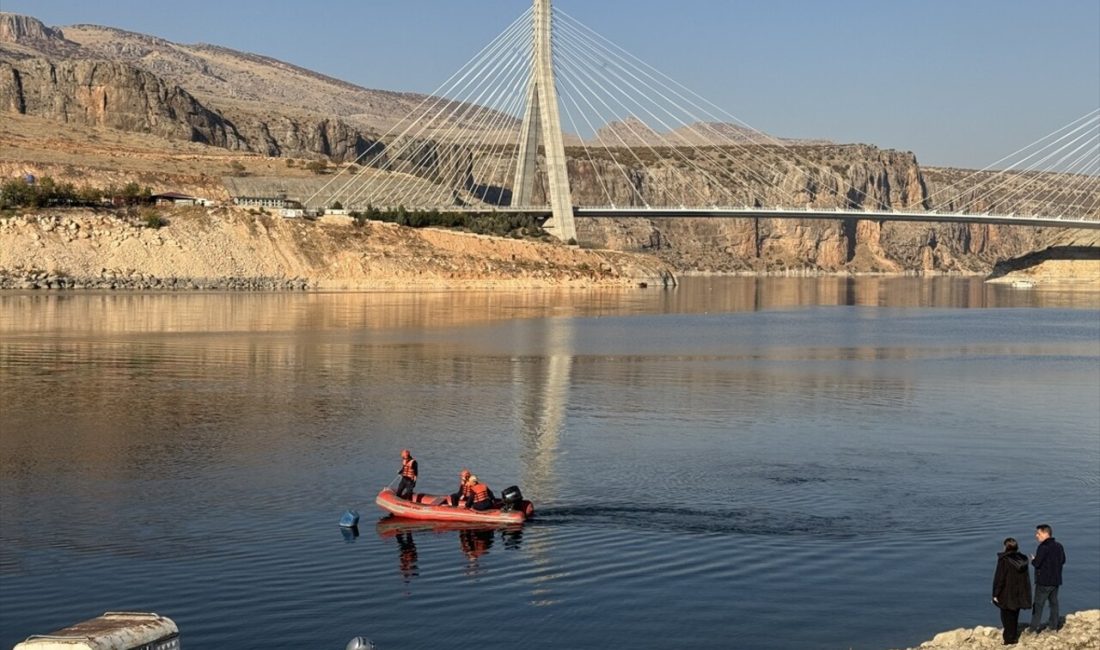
[959, 82]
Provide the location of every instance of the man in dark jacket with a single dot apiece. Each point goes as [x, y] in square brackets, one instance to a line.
[1011, 589]
[1048, 561]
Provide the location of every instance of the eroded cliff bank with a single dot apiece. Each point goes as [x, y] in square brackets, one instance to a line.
[230, 249]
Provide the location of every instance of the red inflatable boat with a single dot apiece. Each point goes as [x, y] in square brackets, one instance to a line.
[437, 508]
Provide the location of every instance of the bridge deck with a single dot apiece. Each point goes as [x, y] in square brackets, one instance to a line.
[765, 213]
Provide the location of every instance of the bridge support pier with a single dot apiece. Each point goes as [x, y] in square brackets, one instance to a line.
[542, 123]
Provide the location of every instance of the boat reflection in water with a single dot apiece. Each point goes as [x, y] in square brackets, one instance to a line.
[474, 540]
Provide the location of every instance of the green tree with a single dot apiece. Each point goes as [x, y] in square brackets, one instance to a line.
[16, 194]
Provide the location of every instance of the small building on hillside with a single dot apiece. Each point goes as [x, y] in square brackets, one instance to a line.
[276, 201]
[175, 198]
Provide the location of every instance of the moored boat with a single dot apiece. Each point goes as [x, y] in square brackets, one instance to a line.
[430, 507]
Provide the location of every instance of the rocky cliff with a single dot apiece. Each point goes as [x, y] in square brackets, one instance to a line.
[98, 76]
[826, 176]
[116, 95]
[116, 83]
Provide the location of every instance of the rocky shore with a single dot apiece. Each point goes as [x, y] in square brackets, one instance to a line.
[225, 249]
[1081, 631]
[230, 249]
[120, 280]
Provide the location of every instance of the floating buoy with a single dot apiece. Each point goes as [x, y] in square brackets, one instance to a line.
[350, 519]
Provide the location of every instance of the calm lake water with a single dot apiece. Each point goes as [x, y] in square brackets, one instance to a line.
[765, 463]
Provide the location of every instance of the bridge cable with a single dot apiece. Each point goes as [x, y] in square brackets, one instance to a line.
[424, 138]
[785, 147]
[433, 96]
[672, 147]
[396, 182]
[598, 49]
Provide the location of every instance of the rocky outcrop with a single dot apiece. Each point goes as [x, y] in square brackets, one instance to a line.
[824, 177]
[1068, 259]
[116, 95]
[299, 136]
[1081, 631]
[121, 96]
[24, 36]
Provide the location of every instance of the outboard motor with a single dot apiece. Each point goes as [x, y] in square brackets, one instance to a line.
[511, 499]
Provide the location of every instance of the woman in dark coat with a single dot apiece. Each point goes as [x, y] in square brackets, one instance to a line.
[1011, 588]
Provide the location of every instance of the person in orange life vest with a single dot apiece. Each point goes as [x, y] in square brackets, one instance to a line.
[481, 497]
[408, 475]
[463, 487]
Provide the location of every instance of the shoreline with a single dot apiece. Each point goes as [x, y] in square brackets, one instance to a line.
[1080, 631]
[196, 249]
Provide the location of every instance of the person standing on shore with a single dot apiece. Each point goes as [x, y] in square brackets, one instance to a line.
[1048, 560]
[1011, 589]
[408, 475]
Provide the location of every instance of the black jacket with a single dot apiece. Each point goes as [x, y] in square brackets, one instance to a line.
[1012, 581]
[1049, 558]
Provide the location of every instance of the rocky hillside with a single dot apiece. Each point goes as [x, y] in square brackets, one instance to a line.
[68, 93]
[103, 77]
[277, 108]
[827, 176]
[231, 249]
[116, 95]
[633, 132]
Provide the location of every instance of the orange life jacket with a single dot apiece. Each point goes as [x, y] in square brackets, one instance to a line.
[480, 492]
[464, 489]
[407, 468]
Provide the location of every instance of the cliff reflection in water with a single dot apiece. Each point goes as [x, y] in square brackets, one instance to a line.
[127, 384]
[73, 314]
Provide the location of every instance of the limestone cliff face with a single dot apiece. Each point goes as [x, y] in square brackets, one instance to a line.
[121, 96]
[100, 93]
[23, 36]
[826, 176]
[300, 136]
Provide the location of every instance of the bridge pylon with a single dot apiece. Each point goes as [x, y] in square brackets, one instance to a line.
[542, 123]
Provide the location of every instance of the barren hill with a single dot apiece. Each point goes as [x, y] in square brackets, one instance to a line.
[279, 108]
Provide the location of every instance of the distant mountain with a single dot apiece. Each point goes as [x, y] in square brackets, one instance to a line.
[632, 132]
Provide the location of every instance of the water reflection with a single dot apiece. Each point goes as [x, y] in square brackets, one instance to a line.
[474, 540]
[349, 533]
[78, 314]
[541, 394]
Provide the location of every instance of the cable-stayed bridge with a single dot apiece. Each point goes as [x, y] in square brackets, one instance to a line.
[552, 119]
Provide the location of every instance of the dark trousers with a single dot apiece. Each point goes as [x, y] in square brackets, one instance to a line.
[405, 488]
[1010, 621]
[1043, 593]
[482, 505]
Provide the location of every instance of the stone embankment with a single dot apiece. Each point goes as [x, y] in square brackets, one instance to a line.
[1081, 631]
[122, 279]
[196, 248]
